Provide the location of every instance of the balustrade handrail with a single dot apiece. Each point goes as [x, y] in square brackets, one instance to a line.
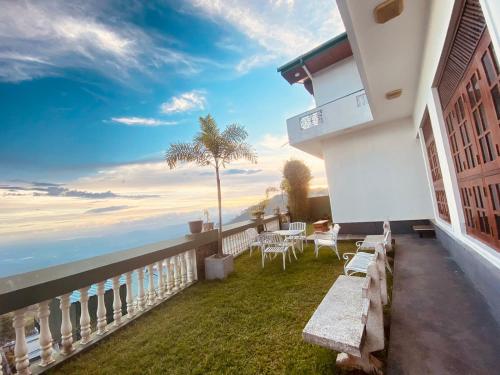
[26, 289]
[327, 103]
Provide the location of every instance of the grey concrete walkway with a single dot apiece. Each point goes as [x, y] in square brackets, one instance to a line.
[440, 324]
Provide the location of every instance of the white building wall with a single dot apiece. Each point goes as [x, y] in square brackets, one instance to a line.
[377, 173]
[336, 81]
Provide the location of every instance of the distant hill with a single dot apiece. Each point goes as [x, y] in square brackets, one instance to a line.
[275, 201]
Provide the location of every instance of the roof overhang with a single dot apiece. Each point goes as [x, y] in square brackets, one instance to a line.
[300, 69]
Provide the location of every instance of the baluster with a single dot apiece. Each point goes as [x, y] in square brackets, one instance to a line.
[1, 364]
[84, 317]
[177, 274]
[130, 296]
[45, 335]
[170, 276]
[66, 327]
[101, 310]
[151, 290]
[184, 269]
[117, 301]
[21, 348]
[189, 266]
[161, 284]
[193, 265]
[141, 300]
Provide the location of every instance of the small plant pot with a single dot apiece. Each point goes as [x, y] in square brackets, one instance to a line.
[257, 215]
[195, 226]
[208, 226]
[218, 268]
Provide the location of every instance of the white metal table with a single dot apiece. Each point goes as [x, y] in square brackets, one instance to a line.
[289, 232]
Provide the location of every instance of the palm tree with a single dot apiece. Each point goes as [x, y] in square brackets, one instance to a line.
[211, 147]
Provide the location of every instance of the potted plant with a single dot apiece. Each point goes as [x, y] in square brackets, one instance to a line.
[215, 148]
[195, 226]
[207, 225]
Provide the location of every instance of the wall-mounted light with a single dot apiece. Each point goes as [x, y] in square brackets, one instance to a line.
[297, 74]
[387, 10]
[393, 94]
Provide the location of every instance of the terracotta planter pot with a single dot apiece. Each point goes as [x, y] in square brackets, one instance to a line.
[195, 226]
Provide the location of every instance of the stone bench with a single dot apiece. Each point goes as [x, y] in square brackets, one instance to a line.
[350, 320]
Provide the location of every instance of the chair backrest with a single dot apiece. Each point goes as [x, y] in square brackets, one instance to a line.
[269, 238]
[297, 225]
[252, 234]
[335, 231]
[387, 237]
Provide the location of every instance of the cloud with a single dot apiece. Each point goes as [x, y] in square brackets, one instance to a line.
[282, 30]
[273, 142]
[235, 171]
[141, 121]
[101, 210]
[38, 189]
[188, 101]
[42, 38]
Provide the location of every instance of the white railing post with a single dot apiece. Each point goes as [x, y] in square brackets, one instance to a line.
[1, 364]
[194, 264]
[170, 276]
[130, 296]
[161, 284]
[21, 348]
[66, 327]
[187, 256]
[177, 276]
[101, 309]
[84, 316]
[141, 300]
[151, 290]
[117, 301]
[45, 335]
[182, 261]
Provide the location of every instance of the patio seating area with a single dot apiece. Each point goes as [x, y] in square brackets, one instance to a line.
[250, 323]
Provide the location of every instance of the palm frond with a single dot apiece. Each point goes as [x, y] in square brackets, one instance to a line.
[239, 151]
[234, 133]
[186, 153]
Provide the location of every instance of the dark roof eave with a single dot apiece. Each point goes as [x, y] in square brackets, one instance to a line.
[315, 51]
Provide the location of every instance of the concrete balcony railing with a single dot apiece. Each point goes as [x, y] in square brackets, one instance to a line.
[76, 304]
[330, 118]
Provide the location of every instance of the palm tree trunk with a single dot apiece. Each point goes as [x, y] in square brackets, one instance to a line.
[219, 201]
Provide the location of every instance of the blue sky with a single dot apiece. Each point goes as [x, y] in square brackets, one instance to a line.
[93, 92]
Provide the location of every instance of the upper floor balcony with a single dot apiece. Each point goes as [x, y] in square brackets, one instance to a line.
[306, 130]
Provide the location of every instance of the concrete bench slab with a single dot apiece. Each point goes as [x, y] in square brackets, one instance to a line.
[336, 324]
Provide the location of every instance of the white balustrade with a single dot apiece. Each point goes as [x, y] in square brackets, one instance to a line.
[66, 327]
[101, 309]
[117, 302]
[21, 348]
[182, 262]
[189, 265]
[177, 274]
[141, 299]
[170, 276]
[161, 284]
[130, 296]
[46, 357]
[85, 316]
[151, 286]
[1, 364]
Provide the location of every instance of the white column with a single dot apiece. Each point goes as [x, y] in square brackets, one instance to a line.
[189, 266]
[141, 300]
[194, 264]
[151, 290]
[66, 327]
[176, 274]
[45, 335]
[161, 285]
[182, 261]
[1, 364]
[84, 316]
[117, 302]
[170, 276]
[130, 295]
[21, 348]
[101, 310]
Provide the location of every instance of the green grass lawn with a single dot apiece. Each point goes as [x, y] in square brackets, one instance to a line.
[250, 323]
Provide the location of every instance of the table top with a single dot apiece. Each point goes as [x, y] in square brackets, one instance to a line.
[288, 232]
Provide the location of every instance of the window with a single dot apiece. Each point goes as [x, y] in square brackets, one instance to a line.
[435, 169]
[473, 126]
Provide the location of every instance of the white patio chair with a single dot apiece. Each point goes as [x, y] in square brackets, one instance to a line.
[364, 247]
[327, 239]
[253, 239]
[273, 244]
[299, 237]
